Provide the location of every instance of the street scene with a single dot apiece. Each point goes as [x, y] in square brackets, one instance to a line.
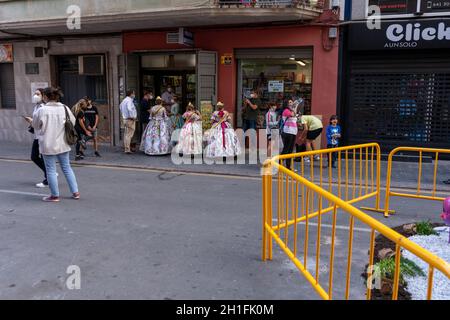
[225, 151]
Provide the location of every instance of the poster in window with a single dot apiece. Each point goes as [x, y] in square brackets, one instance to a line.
[6, 53]
[207, 109]
[276, 86]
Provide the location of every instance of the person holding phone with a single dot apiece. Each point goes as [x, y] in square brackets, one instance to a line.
[252, 107]
[35, 154]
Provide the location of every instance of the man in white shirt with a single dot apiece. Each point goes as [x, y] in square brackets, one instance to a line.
[129, 116]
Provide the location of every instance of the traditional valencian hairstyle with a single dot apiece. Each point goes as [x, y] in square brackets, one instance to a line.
[220, 105]
[158, 100]
[190, 107]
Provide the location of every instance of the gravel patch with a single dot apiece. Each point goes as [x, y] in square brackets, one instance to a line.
[439, 246]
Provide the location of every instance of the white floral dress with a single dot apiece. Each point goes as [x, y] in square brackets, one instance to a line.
[222, 140]
[191, 136]
[156, 137]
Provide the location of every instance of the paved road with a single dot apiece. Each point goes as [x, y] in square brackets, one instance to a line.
[138, 234]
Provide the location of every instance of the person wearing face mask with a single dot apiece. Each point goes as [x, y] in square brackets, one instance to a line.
[129, 117]
[251, 110]
[36, 156]
[167, 96]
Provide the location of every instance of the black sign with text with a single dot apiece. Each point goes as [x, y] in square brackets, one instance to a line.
[430, 6]
[393, 7]
[400, 35]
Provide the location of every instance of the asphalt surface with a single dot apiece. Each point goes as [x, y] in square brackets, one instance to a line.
[143, 234]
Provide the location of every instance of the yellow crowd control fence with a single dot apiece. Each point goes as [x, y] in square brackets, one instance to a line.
[309, 218]
[419, 193]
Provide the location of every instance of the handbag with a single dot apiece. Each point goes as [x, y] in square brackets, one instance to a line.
[70, 133]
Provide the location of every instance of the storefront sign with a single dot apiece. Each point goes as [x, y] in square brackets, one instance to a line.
[401, 35]
[276, 86]
[6, 53]
[227, 59]
[410, 7]
[185, 37]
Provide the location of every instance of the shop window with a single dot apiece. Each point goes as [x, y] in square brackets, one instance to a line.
[276, 80]
[7, 86]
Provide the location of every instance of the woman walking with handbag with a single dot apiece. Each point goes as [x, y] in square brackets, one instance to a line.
[54, 124]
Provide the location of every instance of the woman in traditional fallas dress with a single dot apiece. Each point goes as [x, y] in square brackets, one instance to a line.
[191, 136]
[222, 140]
[156, 138]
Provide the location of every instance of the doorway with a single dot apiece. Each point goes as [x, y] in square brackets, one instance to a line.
[82, 76]
[183, 83]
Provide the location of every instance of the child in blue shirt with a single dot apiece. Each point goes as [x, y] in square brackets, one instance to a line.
[334, 134]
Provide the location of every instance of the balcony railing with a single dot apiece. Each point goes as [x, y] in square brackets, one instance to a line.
[300, 4]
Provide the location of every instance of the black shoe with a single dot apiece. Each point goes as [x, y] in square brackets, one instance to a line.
[78, 157]
[447, 182]
[97, 154]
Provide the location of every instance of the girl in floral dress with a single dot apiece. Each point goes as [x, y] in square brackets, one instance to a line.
[156, 138]
[222, 140]
[191, 136]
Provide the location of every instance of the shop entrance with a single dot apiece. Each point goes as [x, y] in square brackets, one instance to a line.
[183, 84]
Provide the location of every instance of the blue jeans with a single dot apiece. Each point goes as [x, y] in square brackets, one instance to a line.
[249, 124]
[64, 162]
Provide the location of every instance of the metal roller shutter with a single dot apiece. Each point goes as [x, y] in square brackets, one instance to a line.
[400, 99]
[7, 86]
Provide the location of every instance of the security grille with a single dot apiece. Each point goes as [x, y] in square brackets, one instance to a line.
[397, 105]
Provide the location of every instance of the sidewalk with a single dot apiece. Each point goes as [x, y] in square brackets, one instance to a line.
[405, 173]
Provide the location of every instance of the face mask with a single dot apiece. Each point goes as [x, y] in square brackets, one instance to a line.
[169, 90]
[37, 99]
[252, 96]
[151, 97]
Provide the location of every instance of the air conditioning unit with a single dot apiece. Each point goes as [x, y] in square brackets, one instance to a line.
[91, 65]
[173, 37]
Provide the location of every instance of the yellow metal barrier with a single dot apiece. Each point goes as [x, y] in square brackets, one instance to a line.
[357, 176]
[420, 194]
[288, 215]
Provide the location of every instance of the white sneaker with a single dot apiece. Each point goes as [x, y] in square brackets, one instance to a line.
[317, 158]
[306, 160]
[40, 185]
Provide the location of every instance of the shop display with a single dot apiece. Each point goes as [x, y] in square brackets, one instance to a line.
[277, 81]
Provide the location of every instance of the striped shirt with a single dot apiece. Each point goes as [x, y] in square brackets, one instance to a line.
[290, 122]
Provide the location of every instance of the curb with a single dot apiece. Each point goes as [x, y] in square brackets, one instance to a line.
[425, 187]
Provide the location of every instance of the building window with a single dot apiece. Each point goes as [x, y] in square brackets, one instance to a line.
[7, 86]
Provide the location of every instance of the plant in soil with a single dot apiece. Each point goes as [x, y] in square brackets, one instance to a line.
[407, 268]
[425, 228]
